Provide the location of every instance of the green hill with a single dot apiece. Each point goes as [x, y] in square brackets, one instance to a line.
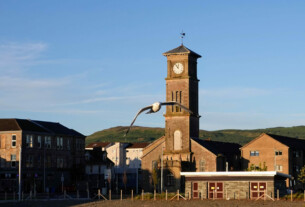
[148, 134]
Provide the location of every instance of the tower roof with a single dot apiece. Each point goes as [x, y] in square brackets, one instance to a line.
[181, 50]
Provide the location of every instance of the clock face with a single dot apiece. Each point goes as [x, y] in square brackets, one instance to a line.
[178, 68]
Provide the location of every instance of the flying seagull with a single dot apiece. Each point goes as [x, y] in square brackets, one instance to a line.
[155, 107]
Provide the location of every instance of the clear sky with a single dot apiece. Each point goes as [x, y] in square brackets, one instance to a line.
[92, 65]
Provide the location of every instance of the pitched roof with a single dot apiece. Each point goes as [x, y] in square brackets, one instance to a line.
[9, 125]
[288, 141]
[138, 145]
[36, 126]
[19, 124]
[219, 147]
[57, 128]
[98, 144]
[181, 50]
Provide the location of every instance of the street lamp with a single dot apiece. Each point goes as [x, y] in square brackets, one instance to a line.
[19, 177]
[162, 171]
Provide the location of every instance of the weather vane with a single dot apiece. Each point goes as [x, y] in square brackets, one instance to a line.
[182, 36]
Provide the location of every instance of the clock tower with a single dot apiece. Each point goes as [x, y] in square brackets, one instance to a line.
[182, 87]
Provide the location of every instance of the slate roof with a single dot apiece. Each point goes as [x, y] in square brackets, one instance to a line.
[216, 147]
[57, 128]
[181, 50]
[138, 145]
[19, 124]
[36, 126]
[290, 142]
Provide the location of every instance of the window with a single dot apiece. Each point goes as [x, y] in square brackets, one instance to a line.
[177, 140]
[296, 153]
[296, 168]
[14, 141]
[279, 168]
[278, 153]
[38, 161]
[59, 143]
[39, 141]
[60, 163]
[47, 142]
[170, 179]
[254, 153]
[154, 164]
[29, 141]
[202, 166]
[49, 161]
[68, 144]
[29, 161]
[13, 160]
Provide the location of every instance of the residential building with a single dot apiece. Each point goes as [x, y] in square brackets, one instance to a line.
[277, 153]
[51, 155]
[97, 167]
[115, 151]
[134, 154]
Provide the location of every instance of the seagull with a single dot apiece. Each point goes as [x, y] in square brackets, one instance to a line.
[155, 107]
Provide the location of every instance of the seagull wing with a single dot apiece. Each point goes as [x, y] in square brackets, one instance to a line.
[143, 109]
[178, 104]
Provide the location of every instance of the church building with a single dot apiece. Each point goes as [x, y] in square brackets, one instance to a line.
[180, 149]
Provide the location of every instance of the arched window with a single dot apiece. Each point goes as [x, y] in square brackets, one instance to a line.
[177, 140]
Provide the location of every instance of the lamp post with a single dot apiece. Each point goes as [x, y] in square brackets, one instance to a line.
[162, 171]
[19, 177]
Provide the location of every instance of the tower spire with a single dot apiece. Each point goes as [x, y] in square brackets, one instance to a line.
[182, 36]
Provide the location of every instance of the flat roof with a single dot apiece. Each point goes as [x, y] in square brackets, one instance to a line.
[235, 174]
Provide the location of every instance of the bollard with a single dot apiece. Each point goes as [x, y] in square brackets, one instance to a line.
[99, 194]
[166, 194]
[77, 194]
[291, 195]
[154, 194]
[132, 194]
[178, 195]
[278, 194]
[121, 194]
[142, 194]
[110, 194]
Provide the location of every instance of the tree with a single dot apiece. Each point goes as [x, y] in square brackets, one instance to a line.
[301, 176]
[258, 168]
[155, 177]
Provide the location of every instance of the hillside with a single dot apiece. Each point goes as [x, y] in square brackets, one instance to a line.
[148, 134]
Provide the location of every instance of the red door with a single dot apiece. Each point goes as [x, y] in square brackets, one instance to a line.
[212, 188]
[257, 189]
[216, 190]
[219, 190]
[195, 190]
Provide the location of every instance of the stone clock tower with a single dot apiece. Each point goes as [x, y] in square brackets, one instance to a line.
[182, 87]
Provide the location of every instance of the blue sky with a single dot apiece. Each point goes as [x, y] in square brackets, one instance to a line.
[92, 65]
